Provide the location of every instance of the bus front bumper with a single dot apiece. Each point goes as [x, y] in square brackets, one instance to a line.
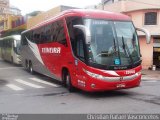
[93, 85]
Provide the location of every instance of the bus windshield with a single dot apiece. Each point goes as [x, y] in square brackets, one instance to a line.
[112, 43]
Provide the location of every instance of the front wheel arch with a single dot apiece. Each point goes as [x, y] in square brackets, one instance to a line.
[66, 80]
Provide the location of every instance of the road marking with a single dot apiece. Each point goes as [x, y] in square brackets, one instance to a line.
[44, 82]
[14, 87]
[28, 84]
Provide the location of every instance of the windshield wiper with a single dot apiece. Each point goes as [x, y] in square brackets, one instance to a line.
[115, 47]
[125, 48]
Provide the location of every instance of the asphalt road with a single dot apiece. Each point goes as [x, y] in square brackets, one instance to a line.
[21, 92]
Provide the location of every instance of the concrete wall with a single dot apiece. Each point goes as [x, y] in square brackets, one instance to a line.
[46, 15]
[132, 5]
[115, 7]
[146, 52]
[138, 18]
[42, 17]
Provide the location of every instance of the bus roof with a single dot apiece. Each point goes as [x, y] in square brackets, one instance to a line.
[101, 14]
[15, 37]
[86, 13]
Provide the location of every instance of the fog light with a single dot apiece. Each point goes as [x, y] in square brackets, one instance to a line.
[93, 85]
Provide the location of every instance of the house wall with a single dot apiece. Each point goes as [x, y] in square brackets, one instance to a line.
[138, 18]
[146, 52]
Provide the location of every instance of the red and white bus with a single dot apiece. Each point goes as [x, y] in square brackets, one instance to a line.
[91, 50]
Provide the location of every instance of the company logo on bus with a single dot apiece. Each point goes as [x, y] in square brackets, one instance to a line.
[130, 72]
[56, 50]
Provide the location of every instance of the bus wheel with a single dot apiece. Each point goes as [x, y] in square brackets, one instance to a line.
[68, 82]
[31, 68]
[26, 65]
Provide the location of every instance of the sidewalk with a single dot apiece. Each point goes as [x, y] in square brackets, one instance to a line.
[150, 74]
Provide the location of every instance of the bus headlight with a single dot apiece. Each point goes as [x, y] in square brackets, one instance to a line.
[112, 79]
[94, 75]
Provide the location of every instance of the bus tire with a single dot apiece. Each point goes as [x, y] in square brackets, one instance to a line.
[64, 77]
[31, 68]
[67, 81]
[26, 65]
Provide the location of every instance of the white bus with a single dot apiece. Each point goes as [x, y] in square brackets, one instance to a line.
[10, 48]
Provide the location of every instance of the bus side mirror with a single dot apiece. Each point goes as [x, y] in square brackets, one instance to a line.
[147, 33]
[85, 31]
[81, 27]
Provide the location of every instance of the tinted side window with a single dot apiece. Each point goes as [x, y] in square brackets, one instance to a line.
[41, 35]
[47, 34]
[80, 47]
[36, 35]
[24, 38]
[71, 21]
[53, 32]
[57, 32]
[8, 43]
[0, 43]
[5, 43]
[61, 38]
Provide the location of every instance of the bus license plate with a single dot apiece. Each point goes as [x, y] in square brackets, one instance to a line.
[121, 85]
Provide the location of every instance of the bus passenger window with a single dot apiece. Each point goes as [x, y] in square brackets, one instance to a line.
[61, 38]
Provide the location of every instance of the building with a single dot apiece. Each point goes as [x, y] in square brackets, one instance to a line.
[7, 9]
[42, 16]
[4, 7]
[14, 10]
[91, 7]
[10, 18]
[144, 14]
[4, 11]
